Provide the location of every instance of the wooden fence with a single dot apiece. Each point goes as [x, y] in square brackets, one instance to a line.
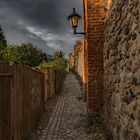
[23, 93]
[53, 80]
[21, 100]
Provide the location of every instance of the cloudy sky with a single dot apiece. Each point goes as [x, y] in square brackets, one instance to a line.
[41, 22]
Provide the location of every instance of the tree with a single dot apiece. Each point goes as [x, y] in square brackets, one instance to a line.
[10, 53]
[58, 62]
[29, 55]
[25, 53]
[3, 42]
[57, 55]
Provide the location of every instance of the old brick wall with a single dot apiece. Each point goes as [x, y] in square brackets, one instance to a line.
[76, 58]
[94, 26]
[84, 66]
[122, 70]
[84, 51]
[71, 61]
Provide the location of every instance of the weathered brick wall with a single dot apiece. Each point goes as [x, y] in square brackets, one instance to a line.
[84, 51]
[94, 26]
[76, 58]
[71, 61]
[122, 70]
[84, 66]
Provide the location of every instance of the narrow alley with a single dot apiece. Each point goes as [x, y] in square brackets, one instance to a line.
[66, 120]
[70, 70]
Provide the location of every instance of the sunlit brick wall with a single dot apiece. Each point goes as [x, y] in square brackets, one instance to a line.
[94, 26]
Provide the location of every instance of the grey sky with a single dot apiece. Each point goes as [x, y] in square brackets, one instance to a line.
[41, 22]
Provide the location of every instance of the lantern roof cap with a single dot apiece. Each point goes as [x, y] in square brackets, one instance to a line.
[74, 14]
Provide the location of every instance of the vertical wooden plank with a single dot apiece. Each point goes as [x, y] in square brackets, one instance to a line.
[1, 91]
[17, 113]
[5, 107]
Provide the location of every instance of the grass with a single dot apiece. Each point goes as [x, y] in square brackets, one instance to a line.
[95, 126]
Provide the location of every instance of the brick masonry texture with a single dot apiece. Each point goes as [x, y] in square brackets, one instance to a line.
[122, 70]
[75, 58]
[94, 27]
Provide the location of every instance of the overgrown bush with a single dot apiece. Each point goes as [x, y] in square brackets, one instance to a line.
[94, 125]
[59, 64]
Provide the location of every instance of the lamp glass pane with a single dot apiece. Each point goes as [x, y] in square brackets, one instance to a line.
[74, 21]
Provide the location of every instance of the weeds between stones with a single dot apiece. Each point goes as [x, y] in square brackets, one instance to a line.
[95, 126]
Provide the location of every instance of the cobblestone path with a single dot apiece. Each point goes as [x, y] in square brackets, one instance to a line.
[65, 121]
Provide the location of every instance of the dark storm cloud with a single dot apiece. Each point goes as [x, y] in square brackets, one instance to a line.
[42, 22]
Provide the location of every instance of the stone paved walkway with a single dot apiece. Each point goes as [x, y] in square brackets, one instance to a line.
[65, 121]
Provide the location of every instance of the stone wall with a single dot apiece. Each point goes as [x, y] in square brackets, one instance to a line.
[122, 70]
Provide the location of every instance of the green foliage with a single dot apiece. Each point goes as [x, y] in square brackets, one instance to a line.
[10, 54]
[3, 42]
[25, 53]
[94, 125]
[59, 64]
[29, 55]
[57, 55]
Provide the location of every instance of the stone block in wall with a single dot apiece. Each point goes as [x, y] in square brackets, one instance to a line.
[121, 70]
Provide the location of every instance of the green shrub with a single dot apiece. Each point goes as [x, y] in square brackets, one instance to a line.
[59, 64]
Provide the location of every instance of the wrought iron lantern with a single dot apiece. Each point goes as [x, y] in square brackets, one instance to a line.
[74, 20]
